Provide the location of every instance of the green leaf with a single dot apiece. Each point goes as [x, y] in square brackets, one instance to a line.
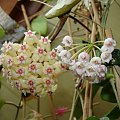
[114, 114]
[116, 57]
[93, 118]
[62, 7]
[107, 94]
[2, 32]
[40, 25]
[2, 103]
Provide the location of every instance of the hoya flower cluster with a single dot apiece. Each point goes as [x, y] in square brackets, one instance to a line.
[32, 66]
[83, 65]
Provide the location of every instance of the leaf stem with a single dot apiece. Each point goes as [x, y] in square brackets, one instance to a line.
[42, 3]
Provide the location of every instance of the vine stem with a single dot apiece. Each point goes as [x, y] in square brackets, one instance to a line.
[24, 107]
[42, 3]
[73, 105]
[85, 107]
[25, 17]
[112, 81]
[96, 15]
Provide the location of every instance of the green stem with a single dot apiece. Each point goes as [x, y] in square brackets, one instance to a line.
[78, 52]
[73, 105]
[112, 82]
[97, 47]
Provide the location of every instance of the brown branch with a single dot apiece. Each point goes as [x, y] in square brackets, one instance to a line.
[80, 23]
[25, 17]
[59, 27]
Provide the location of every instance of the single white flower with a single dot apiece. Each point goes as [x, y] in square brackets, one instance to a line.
[84, 57]
[53, 54]
[95, 61]
[80, 68]
[48, 70]
[67, 41]
[23, 47]
[106, 56]
[59, 48]
[109, 45]
[72, 65]
[29, 33]
[90, 71]
[7, 46]
[65, 54]
[102, 69]
[48, 82]
[45, 40]
[32, 67]
[22, 58]
[20, 71]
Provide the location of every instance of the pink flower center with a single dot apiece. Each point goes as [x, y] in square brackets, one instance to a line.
[29, 33]
[21, 58]
[20, 71]
[9, 61]
[48, 82]
[33, 67]
[23, 47]
[30, 82]
[45, 40]
[109, 44]
[40, 51]
[49, 70]
[53, 54]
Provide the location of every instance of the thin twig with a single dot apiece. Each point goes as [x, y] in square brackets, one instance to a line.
[42, 3]
[97, 18]
[73, 105]
[16, 116]
[25, 16]
[80, 15]
[85, 108]
[11, 103]
[117, 3]
[80, 23]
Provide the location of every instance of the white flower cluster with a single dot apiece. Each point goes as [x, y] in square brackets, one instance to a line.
[32, 66]
[92, 69]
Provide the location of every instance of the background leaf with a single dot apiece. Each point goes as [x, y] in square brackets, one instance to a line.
[107, 94]
[2, 103]
[40, 25]
[114, 114]
[116, 57]
[2, 32]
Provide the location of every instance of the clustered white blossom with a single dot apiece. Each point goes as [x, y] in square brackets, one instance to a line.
[85, 67]
[32, 66]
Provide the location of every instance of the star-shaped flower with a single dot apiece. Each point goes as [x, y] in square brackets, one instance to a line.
[29, 33]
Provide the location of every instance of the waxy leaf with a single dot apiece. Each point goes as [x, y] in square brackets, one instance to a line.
[116, 57]
[62, 7]
[2, 103]
[2, 32]
[107, 94]
[114, 114]
[40, 25]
